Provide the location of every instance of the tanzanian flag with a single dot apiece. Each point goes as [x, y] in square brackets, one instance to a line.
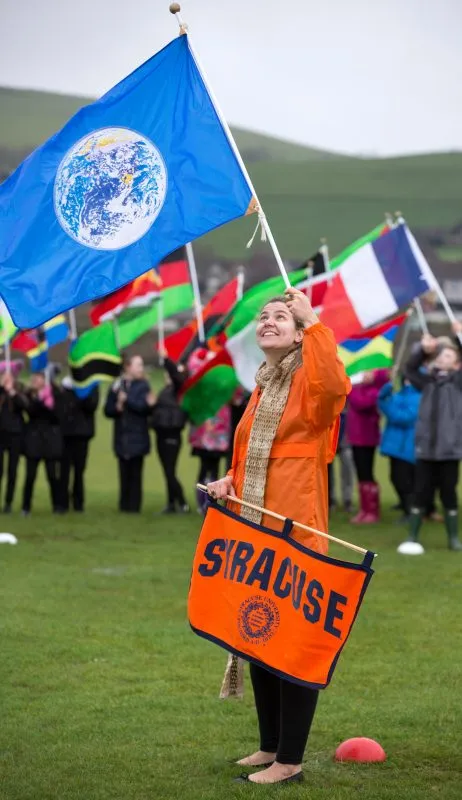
[94, 357]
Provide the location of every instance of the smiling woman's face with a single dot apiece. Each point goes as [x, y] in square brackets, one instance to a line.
[276, 329]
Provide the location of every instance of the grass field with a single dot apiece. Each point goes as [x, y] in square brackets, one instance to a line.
[107, 695]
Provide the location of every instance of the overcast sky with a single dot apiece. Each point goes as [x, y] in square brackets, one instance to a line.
[358, 76]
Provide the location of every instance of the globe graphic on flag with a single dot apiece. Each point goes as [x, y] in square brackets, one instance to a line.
[109, 188]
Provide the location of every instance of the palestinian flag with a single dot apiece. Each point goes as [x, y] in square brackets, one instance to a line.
[181, 343]
[141, 292]
[207, 391]
[94, 356]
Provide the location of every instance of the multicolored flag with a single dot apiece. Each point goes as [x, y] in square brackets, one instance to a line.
[35, 346]
[124, 183]
[371, 350]
[376, 281]
[56, 330]
[38, 356]
[94, 357]
[139, 293]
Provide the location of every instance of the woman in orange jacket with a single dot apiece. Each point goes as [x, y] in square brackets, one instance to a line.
[283, 444]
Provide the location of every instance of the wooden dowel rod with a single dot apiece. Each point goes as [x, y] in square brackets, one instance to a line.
[283, 519]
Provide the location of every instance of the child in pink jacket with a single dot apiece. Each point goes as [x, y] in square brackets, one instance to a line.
[363, 432]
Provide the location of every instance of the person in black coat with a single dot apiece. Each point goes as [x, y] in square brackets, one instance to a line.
[168, 420]
[12, 405]
[42, 439]
[129, 402]
[78, 428]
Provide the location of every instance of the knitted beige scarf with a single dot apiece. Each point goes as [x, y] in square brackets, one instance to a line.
[275, 385]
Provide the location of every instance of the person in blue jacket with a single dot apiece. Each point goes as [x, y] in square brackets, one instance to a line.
[400, 410]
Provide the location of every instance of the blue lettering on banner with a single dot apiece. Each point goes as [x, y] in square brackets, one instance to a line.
[278, 589]
[208, 570]
[229, 546]
[312, 612]
[298, 589]
[261, 572]
[241, 564]
[333, 613]
[242, 555]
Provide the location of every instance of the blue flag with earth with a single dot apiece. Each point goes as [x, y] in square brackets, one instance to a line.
[129, 179]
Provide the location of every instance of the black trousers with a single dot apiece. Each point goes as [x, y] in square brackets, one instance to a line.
[130, 483]
[402, 478]
[208, 468]
[285, 712]
[13, 449]
[53, 477]
[74, 460]
[363, 458]
[441, 475]
[168, 449]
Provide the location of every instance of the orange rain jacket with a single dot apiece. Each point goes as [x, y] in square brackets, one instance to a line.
[305, 442]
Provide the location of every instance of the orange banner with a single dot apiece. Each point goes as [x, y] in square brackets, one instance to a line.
[265, 597]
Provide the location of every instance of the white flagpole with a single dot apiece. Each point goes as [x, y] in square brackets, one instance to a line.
[240, 282]
[73, 325]
[7, 338]
[324, 249]
[175, 9]
[421, 315]
[402, 345]
[161, 329]
[196, 292]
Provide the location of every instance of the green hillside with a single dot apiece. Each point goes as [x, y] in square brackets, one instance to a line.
[306, 193]
[30, 117]
[342, 199]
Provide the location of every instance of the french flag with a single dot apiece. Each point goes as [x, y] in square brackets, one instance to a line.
[374, 283]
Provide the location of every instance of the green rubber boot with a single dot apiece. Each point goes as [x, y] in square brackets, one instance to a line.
[451, 521]
[415, 524]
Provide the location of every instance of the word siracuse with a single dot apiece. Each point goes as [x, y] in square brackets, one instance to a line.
[240, 562]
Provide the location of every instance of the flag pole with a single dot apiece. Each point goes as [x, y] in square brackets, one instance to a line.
[403, 344]
[161, 330]
[175, 9]
[7, 339]
[421, 315]
[73, 325]
[196, 291]
[426, 268]
[240, 282]
[115, 325]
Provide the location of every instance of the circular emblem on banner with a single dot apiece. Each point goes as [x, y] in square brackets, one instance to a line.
[258, 619]
[109, 188]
